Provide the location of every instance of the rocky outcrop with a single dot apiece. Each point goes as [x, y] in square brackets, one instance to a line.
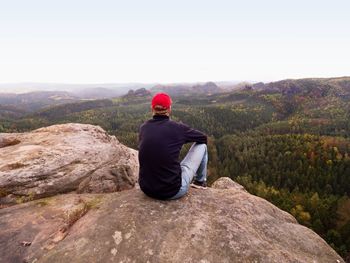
[214, 225]
[97, 222]
[227, 183]
[61, 159]
[142, 92]
[207, 88]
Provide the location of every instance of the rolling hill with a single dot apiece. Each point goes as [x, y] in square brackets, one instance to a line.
[286, 141]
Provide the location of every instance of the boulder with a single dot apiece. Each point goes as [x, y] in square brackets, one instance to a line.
[227, 183]
[61, 159]
[208, 226]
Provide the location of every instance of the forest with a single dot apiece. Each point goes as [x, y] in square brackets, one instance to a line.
[287, 142]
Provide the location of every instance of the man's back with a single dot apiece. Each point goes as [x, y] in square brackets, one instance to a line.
[160, 142]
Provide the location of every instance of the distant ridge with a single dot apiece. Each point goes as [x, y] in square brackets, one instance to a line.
[177, 90]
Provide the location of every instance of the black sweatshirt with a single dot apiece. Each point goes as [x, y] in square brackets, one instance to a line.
[160, 142]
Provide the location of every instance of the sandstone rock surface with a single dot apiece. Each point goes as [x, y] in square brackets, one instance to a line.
[227, 183]
[63, 158]
[208, 226]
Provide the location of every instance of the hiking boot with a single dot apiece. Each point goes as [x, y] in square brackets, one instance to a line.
[199, 185]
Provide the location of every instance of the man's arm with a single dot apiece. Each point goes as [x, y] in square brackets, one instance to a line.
[193, 135]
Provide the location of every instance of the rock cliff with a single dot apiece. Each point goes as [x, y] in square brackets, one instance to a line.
[61, 159]
[221, 224]
[213, 225]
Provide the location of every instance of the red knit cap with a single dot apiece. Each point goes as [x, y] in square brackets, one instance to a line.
[161, 99]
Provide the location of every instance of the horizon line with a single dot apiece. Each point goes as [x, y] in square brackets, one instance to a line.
[164, 82]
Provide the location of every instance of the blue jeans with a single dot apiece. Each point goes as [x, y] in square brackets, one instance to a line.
[194, 165]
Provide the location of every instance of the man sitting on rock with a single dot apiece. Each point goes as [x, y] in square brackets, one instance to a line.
[161, 175]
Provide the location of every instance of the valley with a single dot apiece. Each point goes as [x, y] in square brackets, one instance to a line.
[285, 141]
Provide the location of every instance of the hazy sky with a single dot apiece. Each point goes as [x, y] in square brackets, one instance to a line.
[82, 41]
